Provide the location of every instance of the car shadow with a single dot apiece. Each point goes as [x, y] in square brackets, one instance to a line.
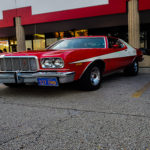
[65, 89]
[116, 76]
[113, 77]
[35, 90]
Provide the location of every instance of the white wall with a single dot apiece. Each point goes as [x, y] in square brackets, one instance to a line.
[43, 6]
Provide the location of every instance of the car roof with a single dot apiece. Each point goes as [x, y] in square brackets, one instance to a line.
[82, 37]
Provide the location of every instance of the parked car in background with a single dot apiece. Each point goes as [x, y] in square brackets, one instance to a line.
[83, 59]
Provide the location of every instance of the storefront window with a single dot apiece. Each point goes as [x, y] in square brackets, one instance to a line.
[4, 46]
[29, 44]
[13, 45]
[39, 42]
[81, 33]
[52, 38]
[68, 34]
[143, 40]
[50, 41]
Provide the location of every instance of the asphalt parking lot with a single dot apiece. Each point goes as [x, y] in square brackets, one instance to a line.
[115, 117]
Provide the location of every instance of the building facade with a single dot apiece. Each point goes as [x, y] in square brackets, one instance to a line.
[46, 21]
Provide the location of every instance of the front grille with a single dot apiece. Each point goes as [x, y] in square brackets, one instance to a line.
[22, 64]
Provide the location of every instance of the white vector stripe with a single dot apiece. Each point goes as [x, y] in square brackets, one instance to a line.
[120, 54]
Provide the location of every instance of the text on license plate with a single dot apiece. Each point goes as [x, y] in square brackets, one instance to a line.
[47, 81]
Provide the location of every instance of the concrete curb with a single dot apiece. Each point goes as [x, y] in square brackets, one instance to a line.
[144, 70]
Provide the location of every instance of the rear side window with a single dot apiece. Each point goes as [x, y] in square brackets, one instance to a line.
[113, 41]
[120, 44]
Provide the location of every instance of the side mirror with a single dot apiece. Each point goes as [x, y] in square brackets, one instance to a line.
[115, 46]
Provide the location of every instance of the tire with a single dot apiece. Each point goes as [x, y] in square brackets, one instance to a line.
[132, 69]
[91, 79]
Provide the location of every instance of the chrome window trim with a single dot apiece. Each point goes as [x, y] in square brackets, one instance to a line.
[36, 59]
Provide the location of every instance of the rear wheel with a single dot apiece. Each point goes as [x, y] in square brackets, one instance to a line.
[132, 69]
[91, 79]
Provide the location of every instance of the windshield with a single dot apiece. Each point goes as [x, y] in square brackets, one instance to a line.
[79, 43]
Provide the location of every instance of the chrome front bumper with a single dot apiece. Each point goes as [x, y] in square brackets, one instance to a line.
[20, 77]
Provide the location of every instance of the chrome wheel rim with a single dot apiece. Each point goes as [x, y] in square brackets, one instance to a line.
[135, 66]
[95, 76]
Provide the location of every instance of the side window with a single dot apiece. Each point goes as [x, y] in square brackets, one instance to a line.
[113, 41]
[121, 45]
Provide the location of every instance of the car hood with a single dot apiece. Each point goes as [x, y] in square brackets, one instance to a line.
[41, 53]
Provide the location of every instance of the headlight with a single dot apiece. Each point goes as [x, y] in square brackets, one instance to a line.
[52, 63]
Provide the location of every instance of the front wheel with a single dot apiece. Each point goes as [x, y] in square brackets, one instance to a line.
[132, 69]
[91, 79]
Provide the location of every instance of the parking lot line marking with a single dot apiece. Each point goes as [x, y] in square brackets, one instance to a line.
[139, 93]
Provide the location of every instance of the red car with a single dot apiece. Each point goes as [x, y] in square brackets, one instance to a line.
[85, 59]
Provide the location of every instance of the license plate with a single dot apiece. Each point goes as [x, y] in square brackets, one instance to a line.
[47, 82]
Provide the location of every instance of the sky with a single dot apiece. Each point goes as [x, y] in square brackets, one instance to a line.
[44, 6]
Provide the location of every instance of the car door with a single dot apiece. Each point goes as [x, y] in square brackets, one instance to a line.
[117, 51]
[129, 53]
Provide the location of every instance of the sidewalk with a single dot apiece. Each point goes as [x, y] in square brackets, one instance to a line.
[144, 70]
